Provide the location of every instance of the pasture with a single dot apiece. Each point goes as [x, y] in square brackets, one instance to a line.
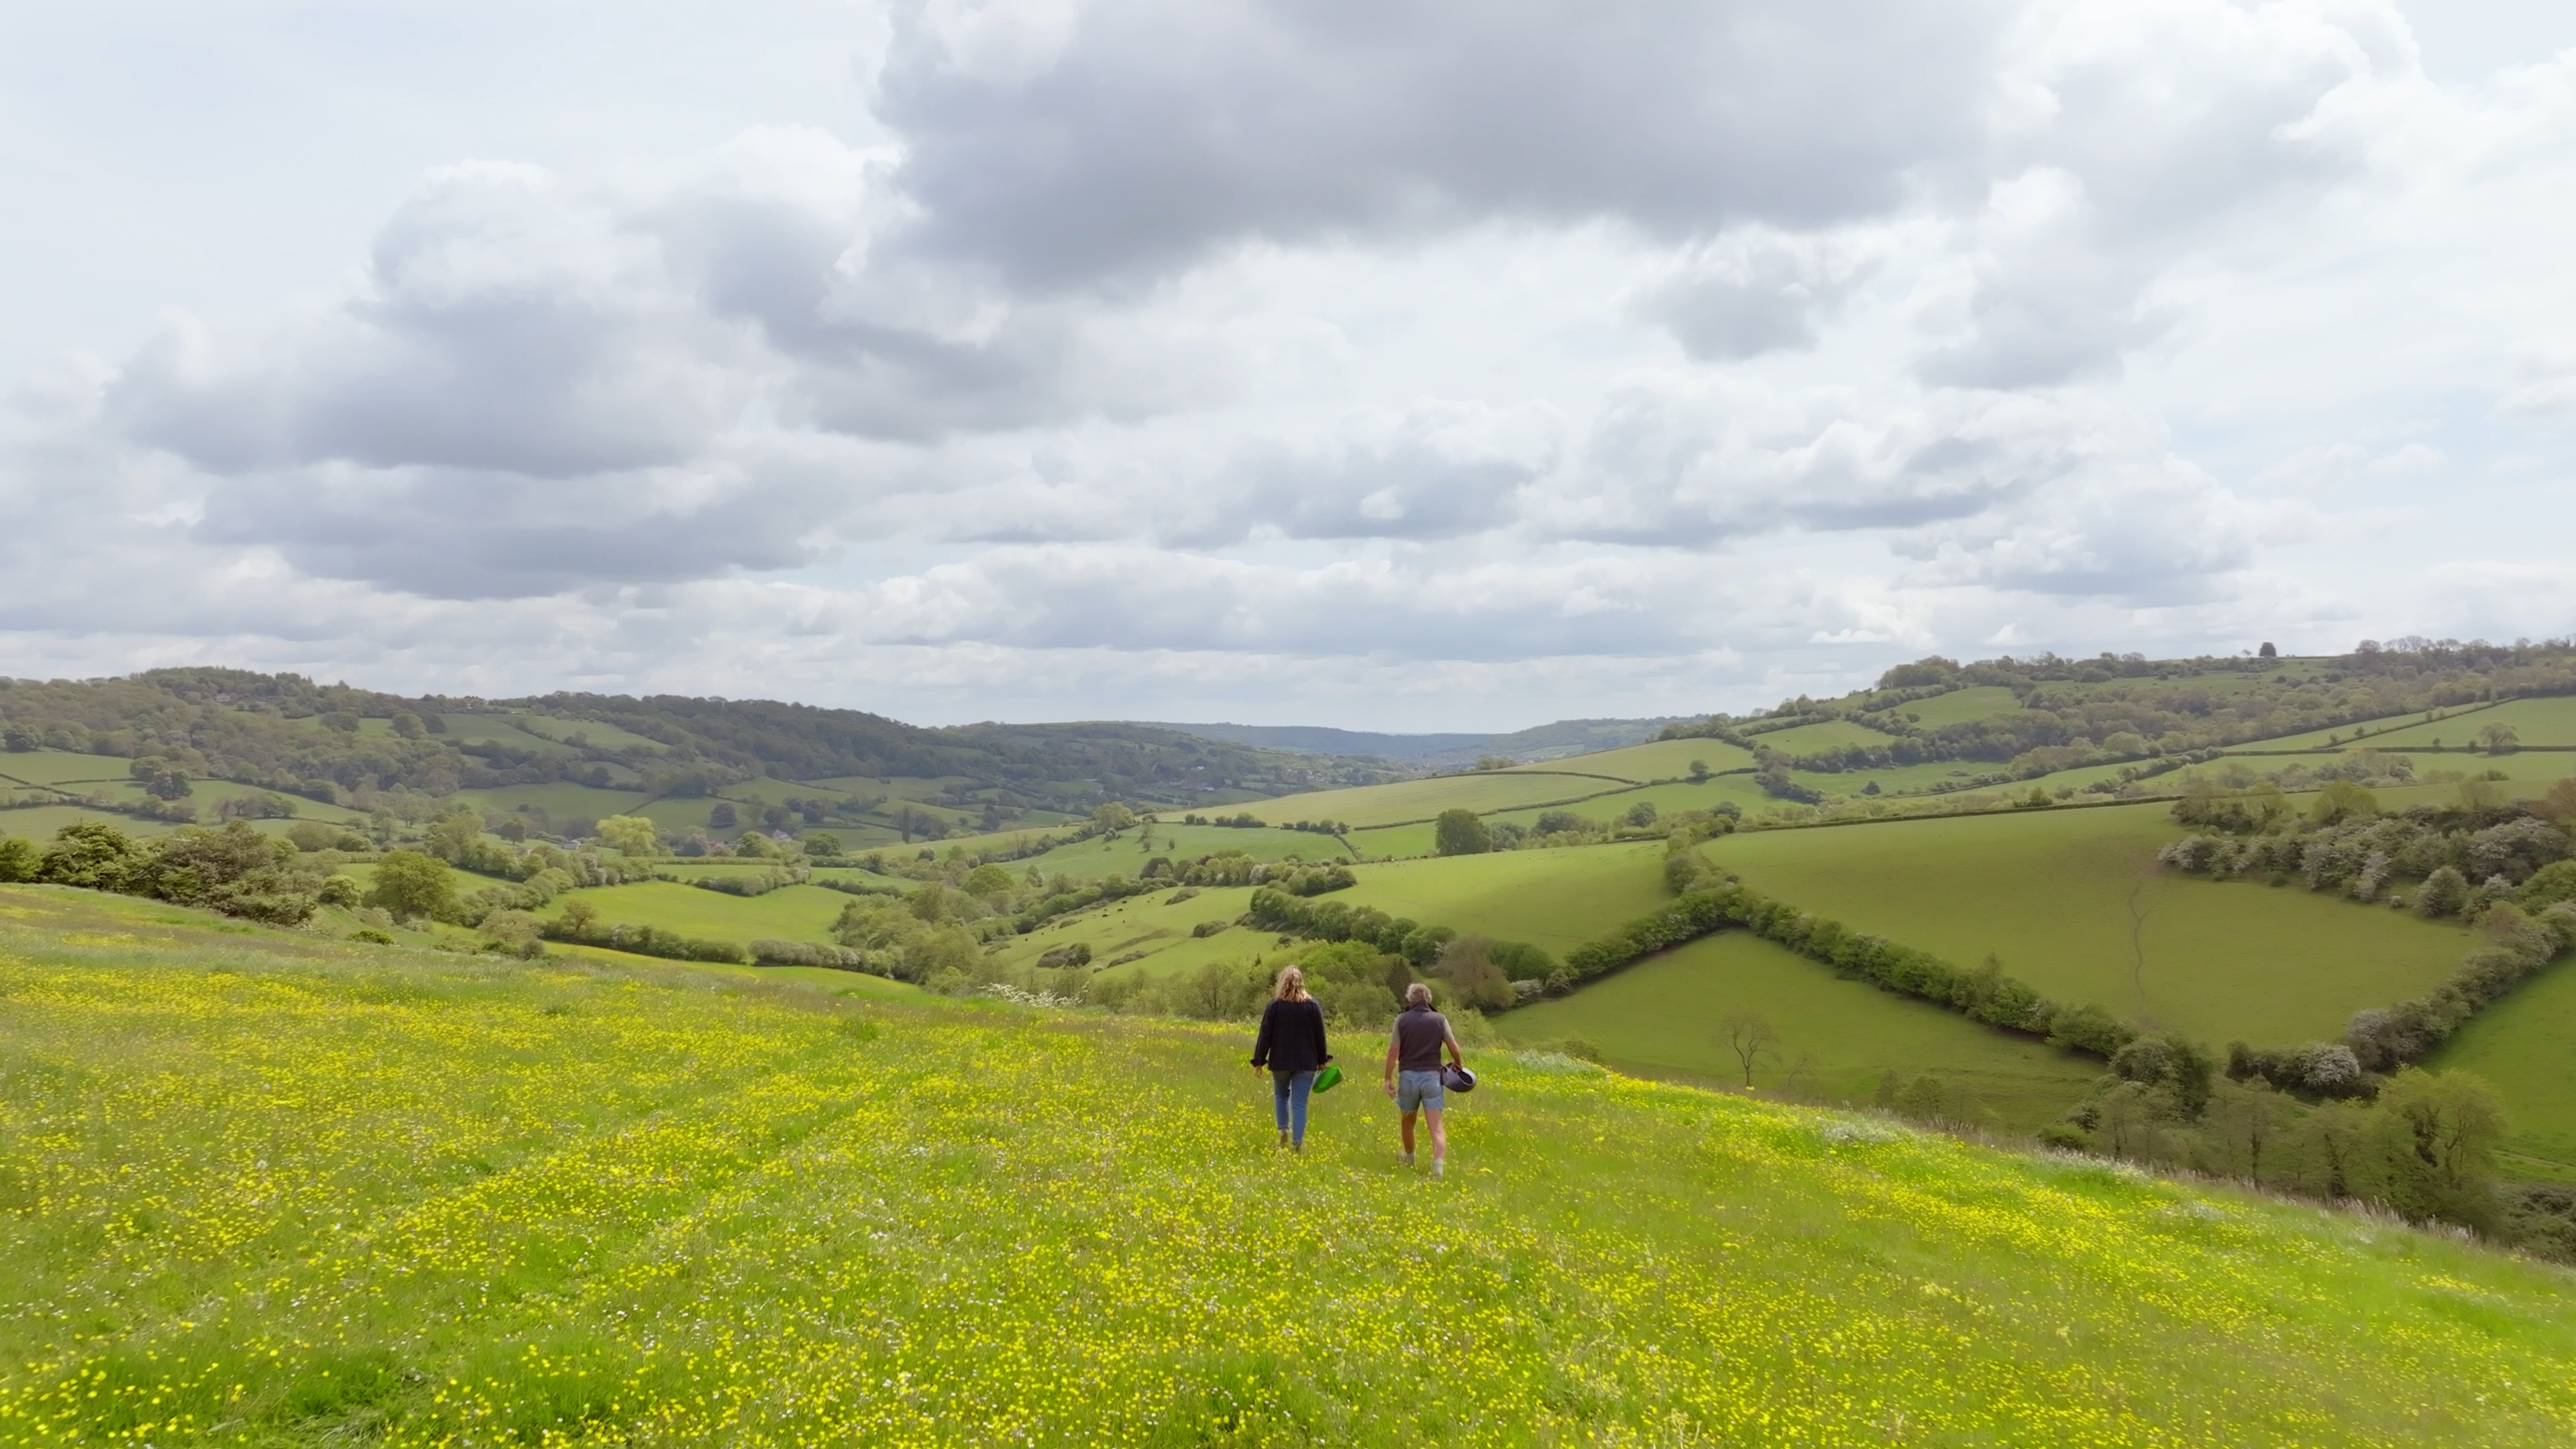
[561, 800]
[1958, 706]
[1410, 800]
[1831, 734]
[62, 767]
[2072, 902]
[790, 913]
[2537, 721]
[2525, 1047]
[1153, 928]
[299, 1193]
[1558, 899]
[1837, 1037]
[1655, 760]
[1126, 855]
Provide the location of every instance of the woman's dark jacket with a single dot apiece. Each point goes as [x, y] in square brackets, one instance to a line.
[1292, 1037]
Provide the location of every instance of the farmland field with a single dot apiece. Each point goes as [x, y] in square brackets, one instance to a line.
[1961, 705]
[795, 913]
[1552, 898]
[1656, 760]
[1407, 800]
[1661, 1015]
[561, 800]
[1156, 926]
[475, 729]
[1095, 858]
[39, 822]
[298, 1193]
[2537, 721]
[2525, 1047]
[1832, 734]
[60, 767]
[2050, 893]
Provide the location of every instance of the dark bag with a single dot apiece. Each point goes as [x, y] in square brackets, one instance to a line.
[1457, 1079]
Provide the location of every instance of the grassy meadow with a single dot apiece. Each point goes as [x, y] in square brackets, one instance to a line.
[1413, 800]
[1656, 760]
[2525, 1047]
[1832, 734]
[1558, 899]
[1660, 1018]
[790, 913]
[263, 1188]
[2052, 894]
[1155, 929]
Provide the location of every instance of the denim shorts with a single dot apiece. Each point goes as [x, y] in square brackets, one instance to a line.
[1418, 1089]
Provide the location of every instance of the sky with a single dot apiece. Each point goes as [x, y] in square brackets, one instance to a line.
[1389, 364]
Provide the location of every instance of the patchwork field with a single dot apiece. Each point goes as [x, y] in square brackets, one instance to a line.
[61, 767]
[1552, 898]
[1832, 734]
[1658, 760]
[1093, 859]
[1407, 800]
[297, 1193]
[2537, 721]
[1837, 1037]
[2525, 1047]
[1961, 705]
[2055, 894]
[790, 913]
[1156, 926]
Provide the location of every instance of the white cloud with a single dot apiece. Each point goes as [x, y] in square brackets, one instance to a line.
[1403, 363]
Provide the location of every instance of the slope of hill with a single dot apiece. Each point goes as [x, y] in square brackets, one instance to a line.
[1322, 740]
[265, 1188]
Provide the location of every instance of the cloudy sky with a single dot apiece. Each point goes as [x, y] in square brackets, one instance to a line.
[1407, 364]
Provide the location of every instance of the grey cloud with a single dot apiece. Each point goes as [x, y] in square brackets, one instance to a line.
[1153, 130]
[1749, 295]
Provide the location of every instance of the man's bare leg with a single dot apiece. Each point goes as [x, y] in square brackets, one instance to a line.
[1439, 1140]
[1408, 1137]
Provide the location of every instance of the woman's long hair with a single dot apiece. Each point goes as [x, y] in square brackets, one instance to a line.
[1292, 984]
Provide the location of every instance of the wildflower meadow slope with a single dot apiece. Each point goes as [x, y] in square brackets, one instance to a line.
[259, 1188]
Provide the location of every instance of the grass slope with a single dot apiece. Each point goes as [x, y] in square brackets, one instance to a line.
[1832, 734]
[2525, 1047]
[1660, 1016]
[266, 1189]
[792, 913]
[2050, 892]
[1407, 800]
[1658, 760]
[1558, 899]
[2537, 721]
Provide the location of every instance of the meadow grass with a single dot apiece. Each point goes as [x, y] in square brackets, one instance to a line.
[61, 767]
[475, 729]
[2051, 893]
[2525, 1047]
[1831, 734]
[2549, 721]
[38, 823]
[1980, 701]
[562, 800]
[1654, 760]
[265, 1189]
[1408, 800]
[598, 734]
[1837, 1036]
[1155, 925]
[2518, 766]
[791, 913]
[1557, 899]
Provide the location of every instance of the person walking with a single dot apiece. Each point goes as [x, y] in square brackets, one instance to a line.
[1413, 1070]
[1292, 1046]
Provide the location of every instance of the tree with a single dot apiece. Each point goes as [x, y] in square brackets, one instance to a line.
[455, 835]
[1111, 817]
[91, 855]
[823, 844]
[2444, 892]
[2431, 1150]
[2558, 804]
[160, 779]
[19, 859]
[2243, 1125]
[2343, 800]
[1642, 813]
[1698, 771]
[578, 916]
[1496, 762]
[2267, 652]
[1748, 1035]
[631, 835]
[721, 817]
[1460, 832]
[2499, 738]
[410, 884]
[986, 881]
[408, 725]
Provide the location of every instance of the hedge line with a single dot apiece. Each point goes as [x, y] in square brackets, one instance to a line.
[1985, 994]
[649, 941]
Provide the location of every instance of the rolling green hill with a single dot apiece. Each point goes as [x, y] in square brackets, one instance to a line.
[2072, 902]
[266, 1188]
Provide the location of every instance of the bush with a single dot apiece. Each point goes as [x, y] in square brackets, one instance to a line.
[1461, 832]
[19, 860]
[2445, 892]
[371, 936]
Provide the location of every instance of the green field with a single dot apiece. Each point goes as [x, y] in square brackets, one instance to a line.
[790, 913]
[1832, 734]
[1095, 858]
[1657, 760]
[1660, 1017]
[298, 1193]
[476, 729]
[1155, 926]
[2525, 1047]
[60, 767]
[598, 735]
[40, 822]
[1961, 705]
[1552, 898]
[2537, 721]
[2050, 893]
[560, 799]
[1406, 800]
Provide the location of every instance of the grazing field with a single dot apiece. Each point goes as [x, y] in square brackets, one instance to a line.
[1837, 1037]
[39, 822]
[1406, 800]
[1832, 734]
[1657, 760]
[1961, 705]
[2536, 721]
[2525, 1047]
[61, 767]
[1125, 855]
[790, 913]
[296, 1193]
[596, 734]
[1552, 898]
[1155, 927]
[1708, 794]
[2052, 893]
[561, 800]
[478, 729]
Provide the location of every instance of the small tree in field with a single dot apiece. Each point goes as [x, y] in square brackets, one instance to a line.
[1748, 1035]
[631, 835]
[1459, 832]
[409, 883]
[2499, 739]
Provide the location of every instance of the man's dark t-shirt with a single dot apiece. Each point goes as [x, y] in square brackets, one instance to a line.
[1419, 1033]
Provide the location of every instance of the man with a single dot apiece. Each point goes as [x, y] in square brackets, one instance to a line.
[1413, 1070]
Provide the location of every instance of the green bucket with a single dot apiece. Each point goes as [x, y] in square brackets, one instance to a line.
[1329, 1078]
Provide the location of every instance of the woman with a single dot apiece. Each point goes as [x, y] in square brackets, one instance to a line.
[1291, 1045]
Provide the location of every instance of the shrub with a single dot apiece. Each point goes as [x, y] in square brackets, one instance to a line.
[19, 860]
[1461, 832]
[2445, 892]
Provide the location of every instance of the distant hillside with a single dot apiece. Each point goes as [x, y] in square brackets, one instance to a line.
[1324, 740]
[1441, 751]
[344, 745]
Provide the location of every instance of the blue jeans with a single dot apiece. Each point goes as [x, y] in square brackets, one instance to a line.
[1288, 1096]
